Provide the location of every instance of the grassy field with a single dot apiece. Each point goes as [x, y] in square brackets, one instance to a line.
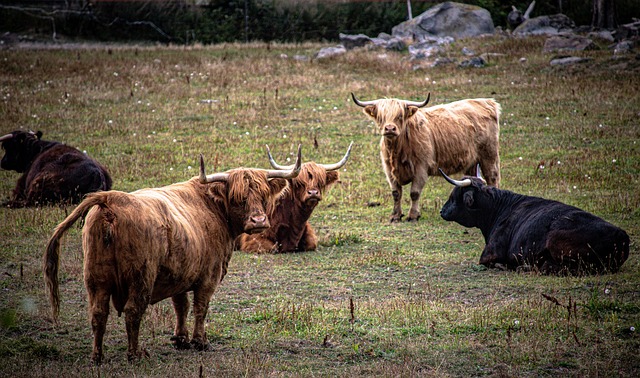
[376, 299]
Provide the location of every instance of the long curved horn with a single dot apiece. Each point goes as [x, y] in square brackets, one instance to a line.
[418, 103]
[273, 162]
[362, 103]
[6, 137]
[460, 183]
[224, 176]
[204, 179]
[338, 165]
[292, 173]
[479, 173]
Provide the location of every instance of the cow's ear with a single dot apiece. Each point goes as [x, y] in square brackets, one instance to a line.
[217, 191]
[371, 111]
[411, 110]
[39, 134]
[277, 185]
[332, 176]
[467, 197]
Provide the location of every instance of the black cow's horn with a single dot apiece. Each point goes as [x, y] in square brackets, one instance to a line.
[418, 103]
[479, 173]
[362, 103]
[6, 137]
[338, 165]
[460, 183]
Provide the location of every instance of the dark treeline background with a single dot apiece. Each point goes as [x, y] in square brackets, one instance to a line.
[214, 21]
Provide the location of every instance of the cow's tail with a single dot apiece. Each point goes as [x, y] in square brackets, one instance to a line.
[52, 253]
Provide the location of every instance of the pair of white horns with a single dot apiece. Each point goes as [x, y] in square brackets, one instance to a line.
[327, 167]
[419, 104]
[292, 172]
[462, 183]
[10, 135]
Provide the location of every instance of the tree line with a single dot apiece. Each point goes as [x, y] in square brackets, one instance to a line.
[215, 21]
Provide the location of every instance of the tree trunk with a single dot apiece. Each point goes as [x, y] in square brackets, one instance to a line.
[604, 14]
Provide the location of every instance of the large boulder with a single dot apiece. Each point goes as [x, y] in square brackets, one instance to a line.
[447, 19]
[545, 25]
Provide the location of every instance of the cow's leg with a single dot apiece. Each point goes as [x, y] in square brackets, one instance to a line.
[416, 188]
[98, 314]
[491, 170]
[309, 240]
[134, 309]
[181, 334]
[396, 192]
[256, 244]
[201, 298]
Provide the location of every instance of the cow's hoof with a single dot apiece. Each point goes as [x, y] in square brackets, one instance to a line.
[395, 218]
[133, 357]
[200, 346]
[181, 342]
[499, 266]
[411, 219]
[96, 359]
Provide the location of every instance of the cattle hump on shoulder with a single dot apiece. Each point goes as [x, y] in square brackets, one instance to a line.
[142, 247]
[416, 141]
[530, 232]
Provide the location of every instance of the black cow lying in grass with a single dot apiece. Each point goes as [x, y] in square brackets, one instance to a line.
[52, 172]
[524, 231]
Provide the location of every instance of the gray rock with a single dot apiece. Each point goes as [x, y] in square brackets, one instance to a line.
[623, 48]
[395, 44]
[602, 34]
[568, 42]
[568, 60]
[330, 52]
[424, 50]
[545, 25]
[447, 19]
[351, 41]
[468, 52]
[475, 62]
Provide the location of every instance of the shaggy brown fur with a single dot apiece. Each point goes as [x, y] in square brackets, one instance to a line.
[290, 229]
[52, 172]
[416, 142]
[151, 244]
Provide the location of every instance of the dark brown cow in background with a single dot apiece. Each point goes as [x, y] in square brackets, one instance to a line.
[416, 142]
[290, 229]
[151, 244]
[52, 172]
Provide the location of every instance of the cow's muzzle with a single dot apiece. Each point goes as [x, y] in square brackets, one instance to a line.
[256, 224]
[313, 197]
[390, 131]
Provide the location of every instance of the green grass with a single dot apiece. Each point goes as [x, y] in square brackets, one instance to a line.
[375, 299]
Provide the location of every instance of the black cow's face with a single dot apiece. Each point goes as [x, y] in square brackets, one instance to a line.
[20, 151]
[462, 207]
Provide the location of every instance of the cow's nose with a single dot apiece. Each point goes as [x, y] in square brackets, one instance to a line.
[313, 192]
[258, 219]
[389, 128]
